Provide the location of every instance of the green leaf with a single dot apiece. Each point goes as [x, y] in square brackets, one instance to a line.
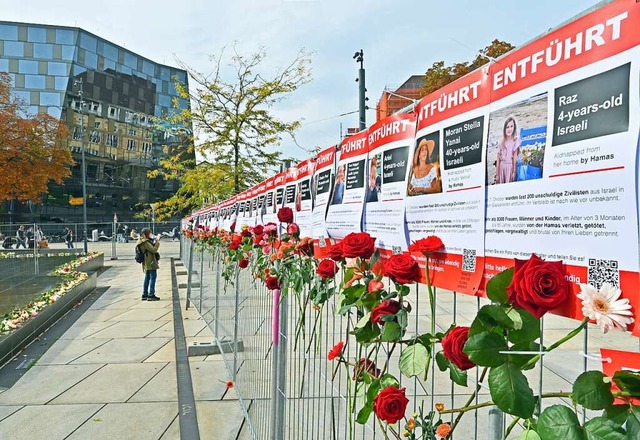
[442, 361]
[510, 391]
[391, 331]
[600, 428]
[388, 380]
[484, 349]
[592, 391]
[364, 413]
[497, 286]
[633, 422]
[521, 359]
[363, 321]
[628, 381]
[402, 318]
[616, 413]
[457, 375]
[558, 422]
[367, 333]
[353, 293]
[493, 316]
[530, 330]
[515, 317]
[528, 435]
[374, 258]
[413, 360]
[373, 390]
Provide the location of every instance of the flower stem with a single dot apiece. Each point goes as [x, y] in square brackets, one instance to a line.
[466, 408]
[510, 427]
[473, 396]
[558, 343]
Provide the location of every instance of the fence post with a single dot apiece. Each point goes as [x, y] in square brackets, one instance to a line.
[279, 369]
[114, 240]
[496, 424]
[201, 279]
[189, 270]
[236, 309]
[275, 342]
[217, 258]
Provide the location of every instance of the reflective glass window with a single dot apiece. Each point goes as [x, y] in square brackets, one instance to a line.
[125, 69]
[4, 65]
[58, 69]
[88, 42]
[13, 48]
[28, 66]
[110, 51]
[43, 50]
[54, 111]
[37, 34]
[24, 96]
[32, 110]
[130, 60]
[182, 77]
[91, 60]
[49, 98]
[77, 69]
[68, 53]
[172, 89]
[109, 64]
[34, 81]
[148, 68]
[8, 32]
[183, 103]
[164, 100]
[65, 36]
[61, 82]
[164, 74]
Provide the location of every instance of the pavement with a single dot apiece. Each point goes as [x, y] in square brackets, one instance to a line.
[112, 374]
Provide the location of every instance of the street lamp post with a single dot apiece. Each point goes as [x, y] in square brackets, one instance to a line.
[359, 57]
[83, 165]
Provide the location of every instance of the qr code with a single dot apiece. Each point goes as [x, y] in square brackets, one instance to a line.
[396, 250]
[603, 271]
[468, 260]
[321, 242]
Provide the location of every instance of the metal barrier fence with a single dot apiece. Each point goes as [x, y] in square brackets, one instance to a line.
[275, 350]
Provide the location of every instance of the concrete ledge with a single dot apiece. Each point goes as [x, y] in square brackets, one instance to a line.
[181, 272]
[14, 342]
[92, 265]
[184, 285]
[209, 348]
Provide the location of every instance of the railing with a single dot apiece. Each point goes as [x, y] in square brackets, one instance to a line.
[275, 351]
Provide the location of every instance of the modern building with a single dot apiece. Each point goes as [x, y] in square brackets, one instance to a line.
[396, 98]
[55, 68]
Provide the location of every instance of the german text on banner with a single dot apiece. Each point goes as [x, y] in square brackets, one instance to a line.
[321, 191]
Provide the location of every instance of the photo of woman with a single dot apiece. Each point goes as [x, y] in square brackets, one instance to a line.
[508, 150]
[425, 173]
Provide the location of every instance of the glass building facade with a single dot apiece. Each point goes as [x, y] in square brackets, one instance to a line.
[53, 69]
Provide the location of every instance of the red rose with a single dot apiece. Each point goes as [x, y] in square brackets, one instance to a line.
[452, 345]
[386, 307]
[358, 244]
[402, 269]
[327, 269]
[538, 286]
[335, 351]
[245, 233]
[272, 283]
[271, 229]
[427, 245]
[285, 215]
[234, 245]
[374, 286]
[390, 404]
[335, 252]
[243, 263]
[293, 229]
[258, 230]
[362, 366]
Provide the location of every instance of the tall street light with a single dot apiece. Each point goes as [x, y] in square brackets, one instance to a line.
[84, 168]
[359, 57]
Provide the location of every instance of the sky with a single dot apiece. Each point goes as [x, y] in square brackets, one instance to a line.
[399, 38]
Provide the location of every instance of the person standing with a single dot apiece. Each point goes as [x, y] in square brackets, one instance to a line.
[21, 237]
[149, 247]
[508, 150]
[68, 238]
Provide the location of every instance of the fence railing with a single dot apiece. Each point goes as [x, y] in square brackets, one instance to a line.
[275, 350]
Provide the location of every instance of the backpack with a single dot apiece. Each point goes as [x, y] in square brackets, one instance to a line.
[139, 254]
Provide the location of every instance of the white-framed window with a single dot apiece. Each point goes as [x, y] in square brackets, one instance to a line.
[132, 132]
[95, 136]
[77, 133]
[146, 147]
[96, 124]
[114, 112]
[132, 145]
[112, 140]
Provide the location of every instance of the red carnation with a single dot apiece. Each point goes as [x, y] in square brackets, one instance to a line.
[335, 351]
[257, 230]
[293, 229]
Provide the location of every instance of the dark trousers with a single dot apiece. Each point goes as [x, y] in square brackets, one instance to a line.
[149, 286]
